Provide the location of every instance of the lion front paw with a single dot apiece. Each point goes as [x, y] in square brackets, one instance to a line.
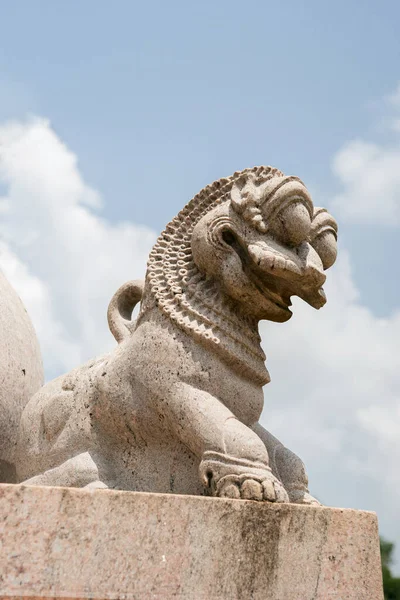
[227, 477]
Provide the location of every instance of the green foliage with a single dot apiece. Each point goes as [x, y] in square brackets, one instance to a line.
[391, 585]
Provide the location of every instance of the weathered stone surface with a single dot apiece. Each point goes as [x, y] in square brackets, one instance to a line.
[74, 543]
[182, 393]
[21, 372]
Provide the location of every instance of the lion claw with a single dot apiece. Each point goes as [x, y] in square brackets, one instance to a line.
[249, 488]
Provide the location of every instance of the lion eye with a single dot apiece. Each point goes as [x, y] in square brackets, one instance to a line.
[228, 237]
[292, 224]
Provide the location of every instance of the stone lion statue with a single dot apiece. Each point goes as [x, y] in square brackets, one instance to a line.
[175, 407]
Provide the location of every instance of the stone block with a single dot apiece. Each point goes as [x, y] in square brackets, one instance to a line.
[80, 543]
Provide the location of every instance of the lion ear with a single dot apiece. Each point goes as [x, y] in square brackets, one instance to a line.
[243, 189]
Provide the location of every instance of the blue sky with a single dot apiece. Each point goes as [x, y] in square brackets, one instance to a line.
[156, 100]
[159, 98]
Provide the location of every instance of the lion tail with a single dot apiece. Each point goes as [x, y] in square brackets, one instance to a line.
[121, 306]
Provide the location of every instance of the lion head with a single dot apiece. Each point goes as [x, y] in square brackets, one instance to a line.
[267, 243]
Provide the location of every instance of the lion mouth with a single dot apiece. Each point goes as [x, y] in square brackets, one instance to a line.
[267, 285]
[279, 290]
[277, 277]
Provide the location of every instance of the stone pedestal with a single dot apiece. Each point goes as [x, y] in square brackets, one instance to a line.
[76, 543]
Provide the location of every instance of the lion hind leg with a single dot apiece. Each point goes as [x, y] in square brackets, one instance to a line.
[287, 467]
[79, 471]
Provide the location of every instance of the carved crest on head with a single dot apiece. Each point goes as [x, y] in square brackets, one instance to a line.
[260, 198]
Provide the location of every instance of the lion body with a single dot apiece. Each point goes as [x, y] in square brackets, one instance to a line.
[175, 407]
[113, 409]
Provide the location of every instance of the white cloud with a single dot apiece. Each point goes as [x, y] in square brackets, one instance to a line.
[334, 396]
[370, 177]
[63, 258]
[59, 351]
[369, 173]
